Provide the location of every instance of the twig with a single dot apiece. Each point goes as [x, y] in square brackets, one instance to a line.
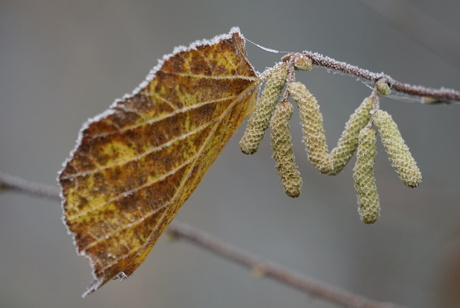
[427, 95]
[272, 270]
[31, 188]
[227, 251]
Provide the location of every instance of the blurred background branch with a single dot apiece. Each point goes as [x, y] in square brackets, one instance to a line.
[258, 265]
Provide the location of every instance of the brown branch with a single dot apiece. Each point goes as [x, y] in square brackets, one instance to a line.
[227, 251]
[427, 95]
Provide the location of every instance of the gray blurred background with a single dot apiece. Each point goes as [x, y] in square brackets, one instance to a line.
[62, 62]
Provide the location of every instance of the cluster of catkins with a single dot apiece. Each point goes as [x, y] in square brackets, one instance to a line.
[359, 136]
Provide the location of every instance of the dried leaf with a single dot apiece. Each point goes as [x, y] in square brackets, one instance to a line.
[137, 163]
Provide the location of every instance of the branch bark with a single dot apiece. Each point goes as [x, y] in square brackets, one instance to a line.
[426, 95]
[220, 248]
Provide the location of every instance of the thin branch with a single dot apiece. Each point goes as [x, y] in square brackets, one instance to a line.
[31, 188]
[272, 270]
[227, 251]
[427, 95]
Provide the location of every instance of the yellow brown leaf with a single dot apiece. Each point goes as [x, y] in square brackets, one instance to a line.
[138, 162]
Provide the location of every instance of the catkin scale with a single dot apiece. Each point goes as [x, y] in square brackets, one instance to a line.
[348, 142]
[281, 141]
[260, 118]
[397, 150]
[363, 176]
[311, 121]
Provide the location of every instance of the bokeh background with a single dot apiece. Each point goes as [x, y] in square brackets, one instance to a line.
[62, 62]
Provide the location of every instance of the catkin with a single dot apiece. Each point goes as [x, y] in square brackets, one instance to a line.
[397, 150]
[363, 176]
[348, 142]
[260, 118]
[283, 154]
[311, 121]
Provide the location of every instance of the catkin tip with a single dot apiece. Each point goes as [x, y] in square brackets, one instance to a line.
[247, 150]
[369, 219]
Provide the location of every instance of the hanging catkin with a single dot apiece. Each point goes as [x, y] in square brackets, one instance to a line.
[283, 154]
[397, 150]
[363, 176]
[311, 121]
[260, 118]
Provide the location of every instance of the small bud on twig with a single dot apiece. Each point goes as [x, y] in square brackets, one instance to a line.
[382, 87]
[302, 62]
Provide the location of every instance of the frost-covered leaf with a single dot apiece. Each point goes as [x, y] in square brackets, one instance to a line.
[137, 163]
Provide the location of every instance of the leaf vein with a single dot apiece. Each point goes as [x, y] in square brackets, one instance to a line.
[129, 192]
[242, 95]
[147, 152]
[165, 116]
